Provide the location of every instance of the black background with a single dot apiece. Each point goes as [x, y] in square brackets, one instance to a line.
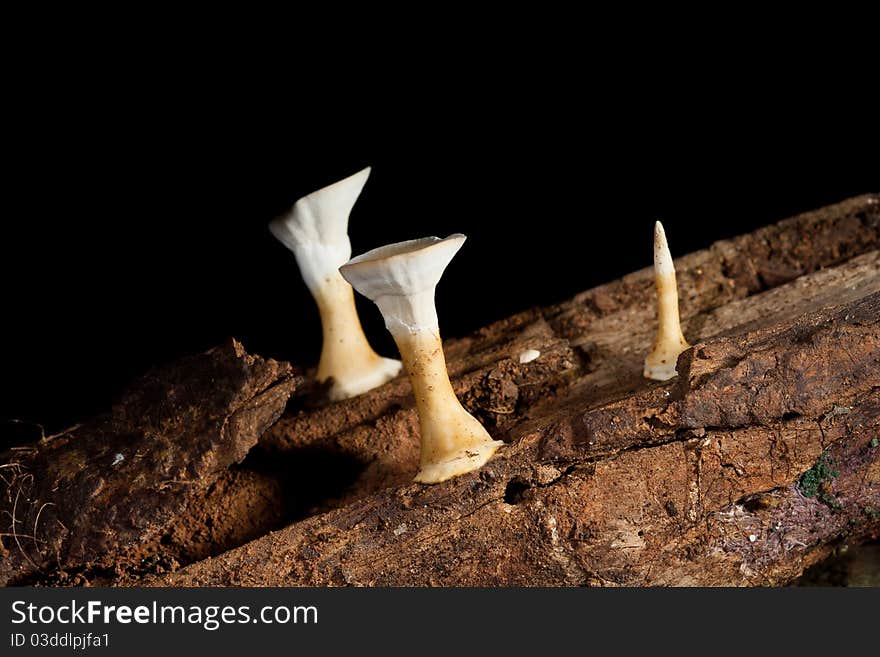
[136, 202]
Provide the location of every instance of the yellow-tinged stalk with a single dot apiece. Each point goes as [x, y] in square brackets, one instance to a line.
[453, 442]
[669, 341]
[347, 359]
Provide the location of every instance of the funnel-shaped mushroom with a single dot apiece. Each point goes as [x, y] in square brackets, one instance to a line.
[400, 279]
[316, 230]
[669, 342]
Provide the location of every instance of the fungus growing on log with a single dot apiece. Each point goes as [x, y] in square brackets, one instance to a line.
[669, 341]
[316, 230]
[401, 279]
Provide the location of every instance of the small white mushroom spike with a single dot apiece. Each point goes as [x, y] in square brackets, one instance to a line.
[669, 341]
[316, 230]
[401, 279]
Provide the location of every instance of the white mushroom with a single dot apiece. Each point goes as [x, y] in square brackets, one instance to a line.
[400, 279]
[669, 341]
[316, 230]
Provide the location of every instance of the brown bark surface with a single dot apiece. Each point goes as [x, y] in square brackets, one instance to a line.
[750, 466]
[101, 496]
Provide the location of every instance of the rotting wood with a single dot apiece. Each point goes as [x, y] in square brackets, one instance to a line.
[554, 508]
[100, 496]
[674, 485]
[593, 346]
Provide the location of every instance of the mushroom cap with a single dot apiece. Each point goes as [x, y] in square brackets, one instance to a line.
[322, 216]
[402, 269]
[663, 265]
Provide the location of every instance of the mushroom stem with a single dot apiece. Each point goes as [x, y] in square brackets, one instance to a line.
[346, 356]
[401, 279]
[669, 341]
[452, 440]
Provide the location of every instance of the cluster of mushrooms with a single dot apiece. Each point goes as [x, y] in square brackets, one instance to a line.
[400, 279]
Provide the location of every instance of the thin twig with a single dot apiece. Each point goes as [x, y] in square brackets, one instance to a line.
[15, 534]
[37, 519]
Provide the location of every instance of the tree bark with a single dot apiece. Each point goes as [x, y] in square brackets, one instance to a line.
[744, 470]
[102, 496]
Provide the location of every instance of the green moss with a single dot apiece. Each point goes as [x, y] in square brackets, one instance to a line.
[875, 442]
[811, 481]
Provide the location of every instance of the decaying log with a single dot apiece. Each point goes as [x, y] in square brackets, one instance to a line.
[611, 479]
[598, 340]
[745, 469]
[102, 495]
[740, 472]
